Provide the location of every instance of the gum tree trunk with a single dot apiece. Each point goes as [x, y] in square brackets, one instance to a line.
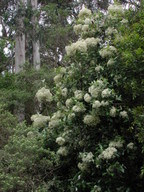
[35, 41]
[20, 38]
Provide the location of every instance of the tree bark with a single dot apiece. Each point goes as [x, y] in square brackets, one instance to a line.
[20, 40]
[35, 40]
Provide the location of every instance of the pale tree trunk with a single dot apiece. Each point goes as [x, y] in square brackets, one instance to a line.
[35, 41]
[19, 40]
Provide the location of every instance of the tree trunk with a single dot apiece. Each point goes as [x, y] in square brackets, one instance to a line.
[35, 41]
[20, 40]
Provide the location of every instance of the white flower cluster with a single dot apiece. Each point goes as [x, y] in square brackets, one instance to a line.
[87, 157]
[91, 41]
[106, 93]
[107, 51]
[116, 144]
[114, 9]
[84, 12]
[71, 116]
[44, 94]
[111, 31]
[69, 102]
[78, 94]
[85, 28]
[87, 98]
[96, 104]
[78, 28]
[62, 151]
[94, 91]
[58, 78]
[124, 114]
[124, 21]
[39, 120]
[55, 119]
[96, 88]
[91, 120]
[79, 107]
[54, 123]
[83, 166]
[87, 21]
[113, 111]
[81, 45]
[108, 153]
[60, 140]
[57, 115]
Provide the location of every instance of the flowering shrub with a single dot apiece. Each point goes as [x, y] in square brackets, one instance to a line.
[94, 139]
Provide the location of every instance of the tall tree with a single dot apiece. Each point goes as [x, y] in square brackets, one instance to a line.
[20, 37]
[35, 40]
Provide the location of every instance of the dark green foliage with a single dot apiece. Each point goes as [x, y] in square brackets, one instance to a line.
[18, 91]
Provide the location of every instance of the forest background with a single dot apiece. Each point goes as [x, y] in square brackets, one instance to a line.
[35, 153]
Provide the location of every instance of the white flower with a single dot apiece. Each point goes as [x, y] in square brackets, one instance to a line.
[57, 78]
[106, 93]
[91, 120]
[69, 102]
[39, 120]
[91, 41]
[64, 92]
[104, 103]
[130, 145]
[54, 123]
[84, 12]
[87, 157]
[80, 45]
[87, 21]
[62, 151]
[96, 104]
[124, 114]
[83, 166]
[79, 107]
[78, 94]
[87, 97]
[110, 62]
[85, 28]
[94, 91]
[77, 28]
[124, 21]
[71, 116]
[60, 140]
[108, 153]
[113, 112]
[116, 144]
[107, 51]
[44, 95]
[57, 115]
